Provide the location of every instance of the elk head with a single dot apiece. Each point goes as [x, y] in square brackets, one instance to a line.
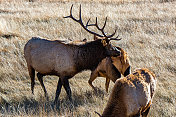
[105, 39]
[122, 62]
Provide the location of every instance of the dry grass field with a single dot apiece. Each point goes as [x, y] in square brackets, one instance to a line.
[148, 32]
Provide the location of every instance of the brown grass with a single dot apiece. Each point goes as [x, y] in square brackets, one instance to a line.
[148, 31]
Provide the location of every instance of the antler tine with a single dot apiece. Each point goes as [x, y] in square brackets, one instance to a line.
[71, 16]
[112, 34]
[80, 21]
[71, 10]
[70, 13]
[96, 25]
[103, 28]
[87, 24]
[116, 38]
[105, 23]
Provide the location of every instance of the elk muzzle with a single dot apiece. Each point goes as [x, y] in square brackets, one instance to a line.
[113, 51]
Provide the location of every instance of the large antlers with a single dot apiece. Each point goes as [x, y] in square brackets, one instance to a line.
[96, 25]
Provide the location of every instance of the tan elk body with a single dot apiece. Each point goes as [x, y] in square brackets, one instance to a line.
[111, 68]
[132, 95]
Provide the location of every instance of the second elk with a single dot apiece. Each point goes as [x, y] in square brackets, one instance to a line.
[111, 68]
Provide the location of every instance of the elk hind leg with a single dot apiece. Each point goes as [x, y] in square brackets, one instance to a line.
[32, 76]
[40, 78]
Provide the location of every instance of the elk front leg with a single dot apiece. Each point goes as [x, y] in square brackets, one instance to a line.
[67, 88]
[107, 84]
[93, 76]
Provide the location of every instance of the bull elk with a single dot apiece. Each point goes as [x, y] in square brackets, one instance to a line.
[111, 68]
[65, 60]
[132, 95]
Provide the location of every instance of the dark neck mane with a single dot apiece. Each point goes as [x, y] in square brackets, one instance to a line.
[89, 55]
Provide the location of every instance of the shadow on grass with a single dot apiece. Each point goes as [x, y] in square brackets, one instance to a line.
[33, 107]
[26, 106]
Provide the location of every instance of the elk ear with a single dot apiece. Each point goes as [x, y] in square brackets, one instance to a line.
[104, 42]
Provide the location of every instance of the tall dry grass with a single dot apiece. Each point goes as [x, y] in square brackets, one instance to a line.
[148, 31]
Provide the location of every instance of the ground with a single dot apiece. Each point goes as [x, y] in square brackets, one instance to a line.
[148, 32]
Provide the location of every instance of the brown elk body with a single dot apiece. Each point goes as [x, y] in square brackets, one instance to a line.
[65, 60]
[111, 68]
[132, 95]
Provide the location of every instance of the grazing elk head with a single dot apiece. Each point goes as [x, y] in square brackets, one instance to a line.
[105, 39]
[122, 62]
